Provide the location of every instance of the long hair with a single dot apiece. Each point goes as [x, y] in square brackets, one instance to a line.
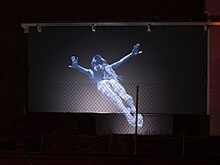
[97, 59]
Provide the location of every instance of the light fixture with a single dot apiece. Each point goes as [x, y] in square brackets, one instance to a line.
[93, 28]
[205, 27]
[26, 28]
[148, 28]
[38, 28]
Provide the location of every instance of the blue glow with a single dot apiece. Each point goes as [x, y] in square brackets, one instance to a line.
[108, 84]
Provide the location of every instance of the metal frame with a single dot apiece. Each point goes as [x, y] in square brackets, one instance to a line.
[27, 25]
[206, 25]
[208, 71]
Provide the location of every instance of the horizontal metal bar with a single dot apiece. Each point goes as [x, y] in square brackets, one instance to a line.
[122, 24]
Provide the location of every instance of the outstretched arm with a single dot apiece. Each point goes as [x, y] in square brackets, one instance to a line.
[75, 65]
[135, 51]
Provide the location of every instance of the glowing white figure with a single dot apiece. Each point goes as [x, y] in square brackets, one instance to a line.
[107, 81]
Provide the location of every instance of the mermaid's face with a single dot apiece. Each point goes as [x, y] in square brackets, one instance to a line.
[97, 60]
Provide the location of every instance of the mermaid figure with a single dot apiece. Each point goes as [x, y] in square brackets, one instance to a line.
[108, 83]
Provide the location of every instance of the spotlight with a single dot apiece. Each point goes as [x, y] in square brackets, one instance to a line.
[39, 28]
[205, 27]
[93, 28]
[26, 29]
[148, 28]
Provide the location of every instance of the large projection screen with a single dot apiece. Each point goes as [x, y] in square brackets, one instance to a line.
[171, 71]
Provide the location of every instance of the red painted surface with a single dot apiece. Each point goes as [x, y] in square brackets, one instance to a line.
[213, 9]
[214, 69]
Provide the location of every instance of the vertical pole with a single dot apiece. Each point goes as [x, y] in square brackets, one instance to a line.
[42, 142]
[136, 120]
[183, 149]
[110, 142]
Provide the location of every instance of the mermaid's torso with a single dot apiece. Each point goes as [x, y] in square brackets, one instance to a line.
[103, 72]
